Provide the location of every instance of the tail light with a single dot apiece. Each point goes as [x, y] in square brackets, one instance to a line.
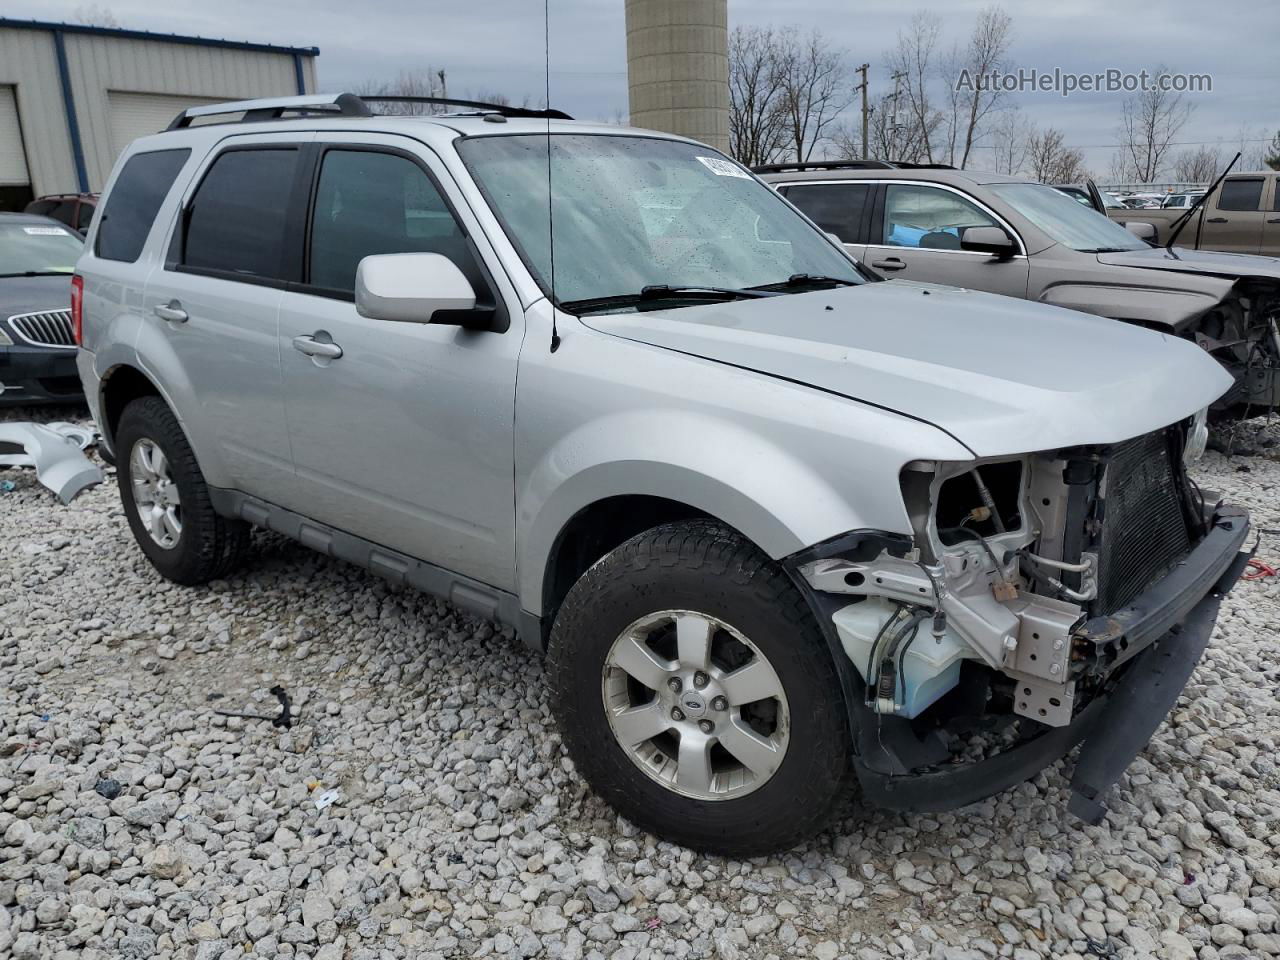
[77, 309]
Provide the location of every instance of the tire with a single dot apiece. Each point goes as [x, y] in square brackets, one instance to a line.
[207, 546]
[692, 571]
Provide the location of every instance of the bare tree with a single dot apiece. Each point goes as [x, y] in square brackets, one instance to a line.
[1049, 160]
[814, 89]
[912, 64]
[1197, 166]
[757, 116]
[1010, 135]
[1150, 122]
[424, 82]
[94, 15]
[887, 138]
[1256, 146]
[970, 97]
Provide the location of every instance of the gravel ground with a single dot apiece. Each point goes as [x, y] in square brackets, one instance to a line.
[461, 829]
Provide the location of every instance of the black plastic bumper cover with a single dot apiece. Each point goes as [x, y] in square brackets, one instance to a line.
[1183, 608]
[26, 367]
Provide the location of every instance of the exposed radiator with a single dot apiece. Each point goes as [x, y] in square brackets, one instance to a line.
[1144, 530]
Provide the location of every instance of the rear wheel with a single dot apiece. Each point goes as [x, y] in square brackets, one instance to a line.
[166, 499]
[696, 694]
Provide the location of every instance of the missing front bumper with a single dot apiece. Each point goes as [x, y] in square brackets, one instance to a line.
[1113, 727]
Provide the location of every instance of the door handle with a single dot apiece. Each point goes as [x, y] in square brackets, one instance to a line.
[893, 263]
[317, 348]
[1217, 220]
[1274, 220]
[171, 311]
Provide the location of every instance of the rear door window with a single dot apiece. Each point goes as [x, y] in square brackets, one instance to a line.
[134, 201]
[837, 208]
[65, 211]
[1241, 193]
[237, 222]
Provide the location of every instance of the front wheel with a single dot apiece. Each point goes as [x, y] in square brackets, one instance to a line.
[696, 694]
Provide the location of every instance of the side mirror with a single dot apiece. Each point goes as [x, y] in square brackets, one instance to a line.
[412, 288]
[1142, 230]
[992, 240]
[833, 238]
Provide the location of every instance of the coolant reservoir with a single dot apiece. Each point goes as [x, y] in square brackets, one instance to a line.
[930, 667]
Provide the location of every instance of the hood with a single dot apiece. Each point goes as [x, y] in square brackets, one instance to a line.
[31, 294]
[1181, 260]
[1000, 375]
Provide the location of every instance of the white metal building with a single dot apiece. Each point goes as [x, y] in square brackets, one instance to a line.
[72, 96]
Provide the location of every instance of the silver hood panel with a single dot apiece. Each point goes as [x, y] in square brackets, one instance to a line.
[1002, 376]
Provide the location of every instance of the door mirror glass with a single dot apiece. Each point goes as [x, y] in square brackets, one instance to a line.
[414, 288]
[992, 240]
[1142, 230]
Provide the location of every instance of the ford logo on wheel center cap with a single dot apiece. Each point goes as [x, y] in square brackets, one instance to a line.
[693, 705]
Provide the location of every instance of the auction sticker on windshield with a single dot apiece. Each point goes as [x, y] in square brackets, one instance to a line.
[723, 168]
[44, 231]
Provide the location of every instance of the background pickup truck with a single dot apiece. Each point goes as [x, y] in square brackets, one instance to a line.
[1241, 216]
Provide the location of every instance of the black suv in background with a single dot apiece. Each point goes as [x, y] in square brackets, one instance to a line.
[37, 343]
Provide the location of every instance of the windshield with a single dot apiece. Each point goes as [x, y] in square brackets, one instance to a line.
[31, 247]
[635, 212]
[1064, 220]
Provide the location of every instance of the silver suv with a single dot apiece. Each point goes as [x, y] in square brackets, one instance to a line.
[777, 525]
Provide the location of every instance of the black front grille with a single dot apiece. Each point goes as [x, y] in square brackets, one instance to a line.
[1144, 529]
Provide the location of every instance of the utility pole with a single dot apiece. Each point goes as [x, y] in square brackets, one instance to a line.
[893, 117]
[866, 110]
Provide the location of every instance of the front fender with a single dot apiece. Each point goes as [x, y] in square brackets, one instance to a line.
[709, 463]
[1159, 308]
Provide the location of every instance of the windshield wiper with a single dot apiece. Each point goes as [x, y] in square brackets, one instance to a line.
[805, 280]
[662, 291]
[37, 273]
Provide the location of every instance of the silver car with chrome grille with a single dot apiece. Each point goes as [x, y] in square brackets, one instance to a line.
[37, 344]
[778, 527]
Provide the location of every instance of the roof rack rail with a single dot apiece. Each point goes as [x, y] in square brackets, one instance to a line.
[341, 105]
[824, 165]
[849, 165]
[273, 108]
[481, 106]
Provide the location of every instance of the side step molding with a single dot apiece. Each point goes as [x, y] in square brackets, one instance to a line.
[463, 592]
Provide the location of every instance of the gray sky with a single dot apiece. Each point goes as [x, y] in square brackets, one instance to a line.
[502, 50]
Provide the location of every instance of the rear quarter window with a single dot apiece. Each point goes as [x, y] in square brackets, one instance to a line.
[134, 200]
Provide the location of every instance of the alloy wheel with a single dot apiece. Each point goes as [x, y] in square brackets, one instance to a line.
[696, 705]
[155, 494]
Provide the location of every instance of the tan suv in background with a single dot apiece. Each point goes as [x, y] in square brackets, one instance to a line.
[1012, 236]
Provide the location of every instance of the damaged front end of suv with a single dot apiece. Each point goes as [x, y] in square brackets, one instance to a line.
[1041, 601]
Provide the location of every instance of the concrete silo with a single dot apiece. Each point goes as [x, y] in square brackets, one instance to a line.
[678, 67]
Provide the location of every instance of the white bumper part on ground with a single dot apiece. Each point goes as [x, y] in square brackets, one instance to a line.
[56, 452]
